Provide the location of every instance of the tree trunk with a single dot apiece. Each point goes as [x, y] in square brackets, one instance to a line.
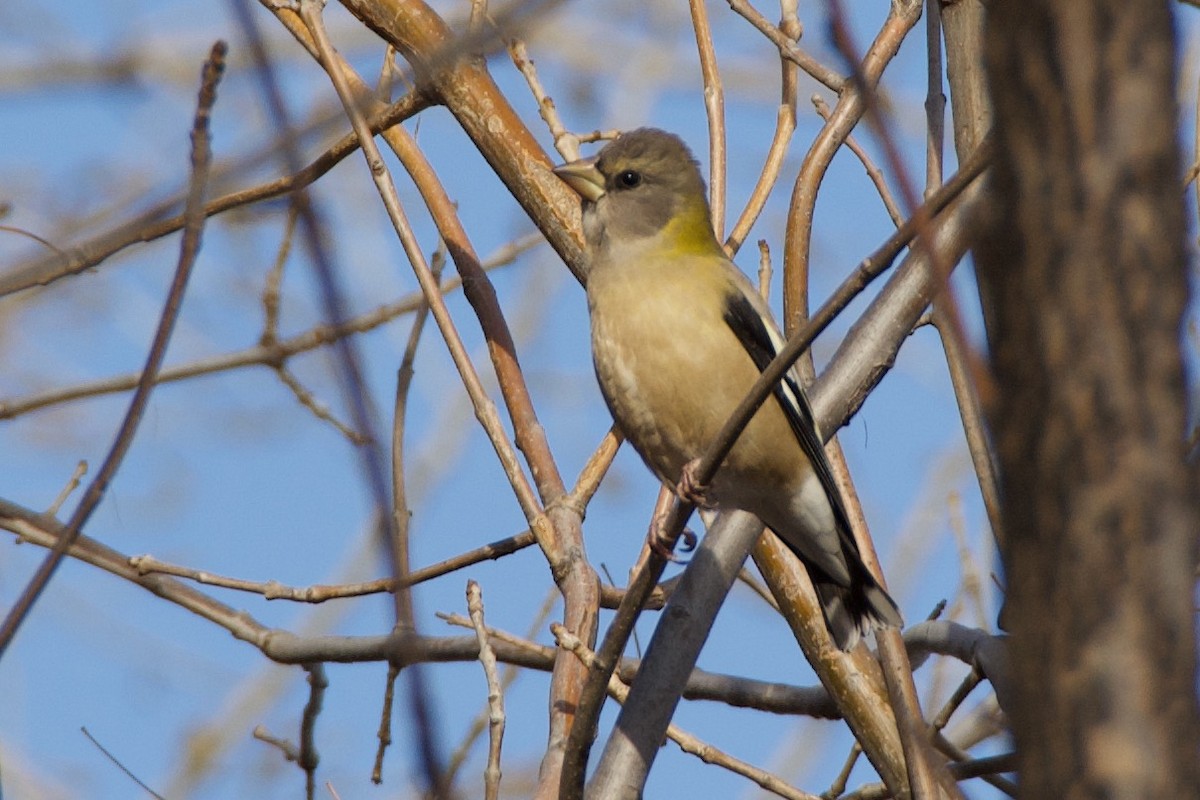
[1085, 261]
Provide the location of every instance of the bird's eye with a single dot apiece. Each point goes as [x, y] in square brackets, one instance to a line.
[629, 179]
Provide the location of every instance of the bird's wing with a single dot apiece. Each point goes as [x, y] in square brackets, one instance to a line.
[762, 341]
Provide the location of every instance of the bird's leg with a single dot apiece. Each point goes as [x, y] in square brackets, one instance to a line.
[691, 489]
[657, 539]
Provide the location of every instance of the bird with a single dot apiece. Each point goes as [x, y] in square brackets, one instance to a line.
[678, 337]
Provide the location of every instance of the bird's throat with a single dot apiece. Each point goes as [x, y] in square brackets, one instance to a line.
[690, 231]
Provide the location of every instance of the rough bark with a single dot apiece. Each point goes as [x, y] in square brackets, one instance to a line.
[1085, 262]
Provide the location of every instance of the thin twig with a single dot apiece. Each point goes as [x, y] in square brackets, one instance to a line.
[972, 679]
[990, 765]
[873, 170]
[838, 787]
[594, 470]
[785, 126]
[764, 269]
[970, 411]
[307, 758]
[787, 47]
[73, 482]
[511, 671]
[384, 734]
[404, 377]
[566, 143]
[287, 748]
[495, 697]
[129, 773]
[201, 158]
[320, 593]
[273, 285]
[44, 243]
[755, 585]
[320, 410]
[714, 109]
[271, 296]
[401, 514]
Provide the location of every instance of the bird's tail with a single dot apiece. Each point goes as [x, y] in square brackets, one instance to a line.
[851, 612]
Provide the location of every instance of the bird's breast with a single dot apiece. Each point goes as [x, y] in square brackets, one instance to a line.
[672, 371]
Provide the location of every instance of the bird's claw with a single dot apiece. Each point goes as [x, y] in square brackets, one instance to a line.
[689, 540]
[690, 488]
[661, 544]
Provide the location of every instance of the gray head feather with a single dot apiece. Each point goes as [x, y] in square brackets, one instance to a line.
[648, 174]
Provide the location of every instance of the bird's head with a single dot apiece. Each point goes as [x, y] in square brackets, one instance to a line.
[644, 185]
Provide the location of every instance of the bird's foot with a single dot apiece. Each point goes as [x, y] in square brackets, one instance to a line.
[690, 488]
[662, 544]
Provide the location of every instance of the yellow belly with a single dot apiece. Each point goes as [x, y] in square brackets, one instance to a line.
[672, 372]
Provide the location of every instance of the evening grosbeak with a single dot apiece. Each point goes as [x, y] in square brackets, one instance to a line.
[678, 337]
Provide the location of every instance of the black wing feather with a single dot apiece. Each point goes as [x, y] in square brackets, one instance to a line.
[850, 610]
[750, 329]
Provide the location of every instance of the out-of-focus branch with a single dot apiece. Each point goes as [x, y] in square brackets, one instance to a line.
[189, 248]
[943, 638]
[849, 109]
[267, 354]
[620, 692]
[630, 750]
[873, 170]
[854, 681]
[452, 73]
[924, 769]
[156, 223]
[349, 367]
[972, 111]
[464, 86]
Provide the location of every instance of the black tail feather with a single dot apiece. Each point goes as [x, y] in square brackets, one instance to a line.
[851, 612]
